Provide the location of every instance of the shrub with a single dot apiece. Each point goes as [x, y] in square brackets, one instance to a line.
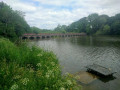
[24, 68]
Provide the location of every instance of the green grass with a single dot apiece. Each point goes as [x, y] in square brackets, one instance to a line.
[24, 68]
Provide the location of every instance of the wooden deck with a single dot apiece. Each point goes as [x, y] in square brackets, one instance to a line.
[100, 70]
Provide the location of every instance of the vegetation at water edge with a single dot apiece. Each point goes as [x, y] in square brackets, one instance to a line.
[24, 68]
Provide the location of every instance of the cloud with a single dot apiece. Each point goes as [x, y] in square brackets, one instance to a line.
[17, 5]
[56, 2]
[49, 13]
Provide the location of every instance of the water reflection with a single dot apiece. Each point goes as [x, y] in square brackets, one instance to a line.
[75, 53]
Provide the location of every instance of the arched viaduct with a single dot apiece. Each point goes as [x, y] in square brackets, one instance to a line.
[49, 35]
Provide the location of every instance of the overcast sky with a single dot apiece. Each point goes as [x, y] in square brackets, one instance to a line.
[47, 14]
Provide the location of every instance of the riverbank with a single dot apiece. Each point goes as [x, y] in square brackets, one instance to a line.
[24, 68]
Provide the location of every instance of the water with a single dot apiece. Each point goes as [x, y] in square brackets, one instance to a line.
[75, 53]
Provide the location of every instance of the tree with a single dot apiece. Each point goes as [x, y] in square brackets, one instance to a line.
[35, 30]
[61, 29]
[12, 23]
[115, 28]
[106, 29]
[96, 24]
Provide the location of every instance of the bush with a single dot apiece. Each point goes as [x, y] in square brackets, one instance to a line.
[24, 68]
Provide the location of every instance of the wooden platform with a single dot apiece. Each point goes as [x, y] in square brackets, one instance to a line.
[100, 70]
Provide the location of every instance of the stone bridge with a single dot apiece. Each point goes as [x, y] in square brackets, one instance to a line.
[49, 35]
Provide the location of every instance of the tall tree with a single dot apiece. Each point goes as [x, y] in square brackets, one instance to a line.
[12, 23]
[96, 24]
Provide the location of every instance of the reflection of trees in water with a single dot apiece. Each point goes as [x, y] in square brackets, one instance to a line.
[96, 41]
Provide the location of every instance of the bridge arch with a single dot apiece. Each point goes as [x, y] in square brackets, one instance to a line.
[31, 37]
[43, 37]
[38, 37]
[24, 37]
[47, 36]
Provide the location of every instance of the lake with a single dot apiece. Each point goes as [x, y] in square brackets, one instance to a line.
[75, 53]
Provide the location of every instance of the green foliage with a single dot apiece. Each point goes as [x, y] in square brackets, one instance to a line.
[106, 29]
[35, 30]
[116, 28]
[24, 68]
[12, 23]
[96, 24]
[60, 29]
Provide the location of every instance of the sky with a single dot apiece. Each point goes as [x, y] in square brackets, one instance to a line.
[47, 14]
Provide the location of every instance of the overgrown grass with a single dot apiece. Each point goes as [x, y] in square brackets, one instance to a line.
[24, 68]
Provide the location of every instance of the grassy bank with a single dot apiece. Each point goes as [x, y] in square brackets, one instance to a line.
[24, 68]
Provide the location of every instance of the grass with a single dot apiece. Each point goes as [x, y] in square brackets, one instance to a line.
[24, 68]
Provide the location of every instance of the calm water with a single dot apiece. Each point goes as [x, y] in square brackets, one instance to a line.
[75, 53]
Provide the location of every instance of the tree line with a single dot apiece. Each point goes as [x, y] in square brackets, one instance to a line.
[13, 24]
[94, 24]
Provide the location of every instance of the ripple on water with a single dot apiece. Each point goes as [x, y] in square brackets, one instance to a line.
[75, 53]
